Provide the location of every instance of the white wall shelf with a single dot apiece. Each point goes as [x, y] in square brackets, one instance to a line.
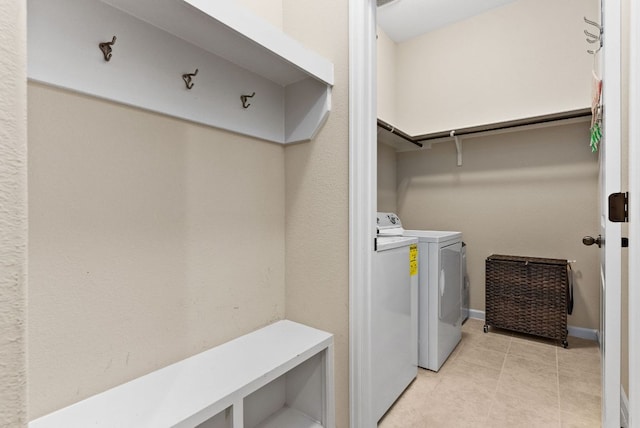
[235, 52]
[278, 376]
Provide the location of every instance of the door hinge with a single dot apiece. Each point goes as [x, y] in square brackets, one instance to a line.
[619, 207]
[375, 244]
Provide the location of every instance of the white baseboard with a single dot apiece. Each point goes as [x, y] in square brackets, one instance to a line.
[476, 314]
[581, 332]
[584, 333]
[624, 409]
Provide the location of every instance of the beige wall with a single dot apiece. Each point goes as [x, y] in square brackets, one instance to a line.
[387, 187]
[386, 78]
[530, 193]
[386, 102]
[151, 239]
[317, 196]
[524, 59]
[13, 213]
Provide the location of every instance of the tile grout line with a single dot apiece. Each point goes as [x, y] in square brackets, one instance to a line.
[495, 391]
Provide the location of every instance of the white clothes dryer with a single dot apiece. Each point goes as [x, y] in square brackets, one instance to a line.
[439, 293]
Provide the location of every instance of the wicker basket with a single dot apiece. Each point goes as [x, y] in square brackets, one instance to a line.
[527, 295]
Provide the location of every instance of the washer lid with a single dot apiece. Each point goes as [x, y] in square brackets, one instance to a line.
[391, 242]
[433, 235]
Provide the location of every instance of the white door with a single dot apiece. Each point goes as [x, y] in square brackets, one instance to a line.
[610, 258]
[634, 216]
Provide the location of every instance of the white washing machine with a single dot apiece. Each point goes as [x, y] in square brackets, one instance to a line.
[439, 295]
[394, 318]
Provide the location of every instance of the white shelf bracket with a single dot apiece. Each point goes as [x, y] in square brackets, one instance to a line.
[458, 142]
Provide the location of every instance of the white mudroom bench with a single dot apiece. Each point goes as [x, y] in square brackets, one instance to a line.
[280, 376]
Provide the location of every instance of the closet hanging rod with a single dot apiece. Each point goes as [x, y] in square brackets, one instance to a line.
[384, 125]
[498, 126]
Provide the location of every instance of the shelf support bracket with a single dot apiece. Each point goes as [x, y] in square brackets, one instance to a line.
[458, 142]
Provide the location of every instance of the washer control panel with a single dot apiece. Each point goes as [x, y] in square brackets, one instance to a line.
[388, 221]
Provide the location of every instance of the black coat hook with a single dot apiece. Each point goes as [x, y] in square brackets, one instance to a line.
[243, 98]
[105, 47]
[187, 77]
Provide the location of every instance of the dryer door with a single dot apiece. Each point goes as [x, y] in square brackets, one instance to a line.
[450, 284]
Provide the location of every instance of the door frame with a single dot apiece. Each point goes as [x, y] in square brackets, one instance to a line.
[362, 204]
[362, 207]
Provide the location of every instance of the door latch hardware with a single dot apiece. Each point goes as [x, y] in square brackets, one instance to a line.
[625, 242]
[619, 207]
[590, 240]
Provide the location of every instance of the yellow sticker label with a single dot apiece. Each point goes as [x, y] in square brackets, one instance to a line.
[413, 259]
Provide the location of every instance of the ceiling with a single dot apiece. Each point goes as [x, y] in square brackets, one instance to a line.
[402, 20]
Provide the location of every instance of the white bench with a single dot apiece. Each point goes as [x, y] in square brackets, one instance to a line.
[280, 376]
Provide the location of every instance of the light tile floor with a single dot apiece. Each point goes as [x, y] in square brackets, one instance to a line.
[503, 379]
